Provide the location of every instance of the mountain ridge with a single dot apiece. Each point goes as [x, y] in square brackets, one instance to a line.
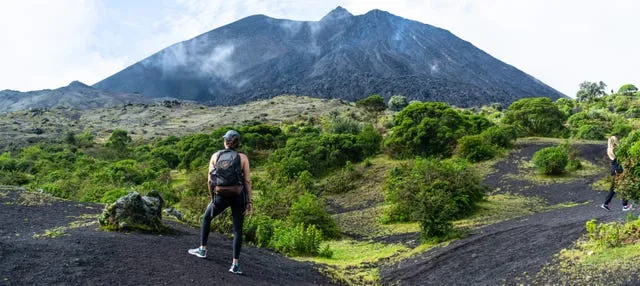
[76, 95]
[340, 56]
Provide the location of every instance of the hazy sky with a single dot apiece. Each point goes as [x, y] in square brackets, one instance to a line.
[47, 44]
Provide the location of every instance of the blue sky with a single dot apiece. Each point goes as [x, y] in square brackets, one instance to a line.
[47, 44]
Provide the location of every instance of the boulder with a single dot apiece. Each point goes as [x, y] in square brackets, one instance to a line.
[174, 213]
[134, 212]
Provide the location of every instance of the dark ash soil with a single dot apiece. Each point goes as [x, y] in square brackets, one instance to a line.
[89, 256]
[504, 252]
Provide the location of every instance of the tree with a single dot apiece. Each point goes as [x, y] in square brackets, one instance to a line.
[591, 90]
[374, 103]
[628, 89]
[535, 117]
[397, 102]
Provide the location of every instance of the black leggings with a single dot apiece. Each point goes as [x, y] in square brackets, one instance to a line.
[612, 193]
[217, 206]
[615, 170]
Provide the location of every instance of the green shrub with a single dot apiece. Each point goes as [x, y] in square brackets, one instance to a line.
[501, 136]
[334, 123]
[601, 118]
[628, 153]
[118, 140]
[298, 240]
[259, 228]
[317, 154]
[613, 234]
[373, 103]
[369, 140]
[478, 124]
[590, 132]
[535, 117]
[196, 183]
[621, 129]
[397, 102]
[432, 192]
[621, 103]
[113, 195]
[551, 160]
[426, 129]
[475, 148]
[343, 180]
[7, 163]
[325, 251]
[633, 111]
[309, 210]
[14, 178]
[574, 162]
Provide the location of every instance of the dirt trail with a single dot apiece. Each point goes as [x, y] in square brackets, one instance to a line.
[88, 256]
[500, 253]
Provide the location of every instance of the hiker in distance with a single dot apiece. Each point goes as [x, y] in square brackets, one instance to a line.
[229, 186]
[616, 170]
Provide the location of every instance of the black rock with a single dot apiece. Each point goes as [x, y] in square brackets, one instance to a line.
[134, 212]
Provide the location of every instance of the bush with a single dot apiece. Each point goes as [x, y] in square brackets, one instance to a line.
[397, 102]
[258, 229]
[475, 148]
[426, 129]
[501, 136]
[621, 129]
[309, 210]
[478, 124]
[574, 162]
[628, 153]
[369, 140]
[298, 240]
[590, 132]
[535, 117]
[432, 192]
[551, 160]
[373, 103]
[113, 195]
[334, 123]
[343, 180]
[596, 117]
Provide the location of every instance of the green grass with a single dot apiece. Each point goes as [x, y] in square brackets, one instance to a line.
[366, 224]
[547, 140]
[501, 207]
[603, 184]
[356, 263]
[527, 172]
[178, 178]
[52, 233]
[369, 188]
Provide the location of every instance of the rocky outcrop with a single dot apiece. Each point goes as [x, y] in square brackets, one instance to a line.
[134, 212]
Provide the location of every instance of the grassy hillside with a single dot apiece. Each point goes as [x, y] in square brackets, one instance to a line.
[353, 186]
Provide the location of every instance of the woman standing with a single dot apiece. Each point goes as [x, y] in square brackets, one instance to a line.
[616, 170]
[229, 187]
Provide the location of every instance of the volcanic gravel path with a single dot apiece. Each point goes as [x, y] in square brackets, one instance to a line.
[500, 253]
[89, 256]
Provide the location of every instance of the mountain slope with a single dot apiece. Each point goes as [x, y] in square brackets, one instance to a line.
[340, 56]
[75, 95]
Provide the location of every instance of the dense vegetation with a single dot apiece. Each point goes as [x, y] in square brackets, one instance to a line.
[296, 164]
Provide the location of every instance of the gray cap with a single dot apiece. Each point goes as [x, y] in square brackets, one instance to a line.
[230, 134]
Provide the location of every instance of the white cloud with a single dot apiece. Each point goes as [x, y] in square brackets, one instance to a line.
[559, 42]
[47, 44]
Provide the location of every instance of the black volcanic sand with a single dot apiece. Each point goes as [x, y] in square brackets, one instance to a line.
[502, 253]
[90, 256]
